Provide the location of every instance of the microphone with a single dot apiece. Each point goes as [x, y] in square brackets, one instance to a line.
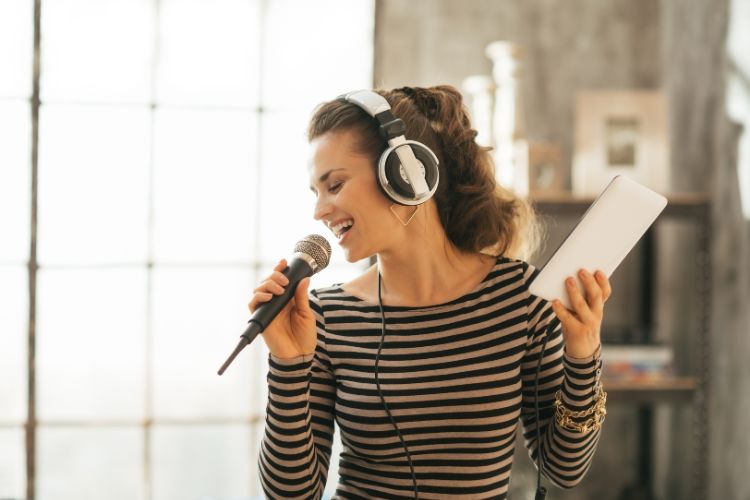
[311, 254]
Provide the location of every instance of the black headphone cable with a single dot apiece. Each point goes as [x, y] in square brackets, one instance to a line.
[541, 491]
[382, 398]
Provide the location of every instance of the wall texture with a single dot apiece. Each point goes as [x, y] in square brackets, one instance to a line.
[704, 145]
[568, 45]
[674, 45]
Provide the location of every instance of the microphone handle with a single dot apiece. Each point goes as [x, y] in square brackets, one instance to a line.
[252, 331]
[296, 271]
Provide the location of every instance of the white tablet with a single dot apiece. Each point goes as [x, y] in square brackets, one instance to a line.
[608, 230]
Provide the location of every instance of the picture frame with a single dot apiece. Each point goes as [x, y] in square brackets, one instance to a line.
[547, 173]
[620, 132]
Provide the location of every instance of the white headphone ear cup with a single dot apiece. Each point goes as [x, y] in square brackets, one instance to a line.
[398, 189]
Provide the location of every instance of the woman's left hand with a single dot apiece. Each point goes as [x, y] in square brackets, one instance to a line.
[581, 327]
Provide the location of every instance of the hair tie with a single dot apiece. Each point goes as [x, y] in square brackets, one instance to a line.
[423, 99]
[410, 92]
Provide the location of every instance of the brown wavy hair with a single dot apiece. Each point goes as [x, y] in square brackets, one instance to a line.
[476, 212]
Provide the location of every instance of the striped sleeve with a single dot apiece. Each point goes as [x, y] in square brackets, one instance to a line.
[296, 448]
[566, 455]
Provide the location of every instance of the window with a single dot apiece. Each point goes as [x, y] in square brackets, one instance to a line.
[171, 175]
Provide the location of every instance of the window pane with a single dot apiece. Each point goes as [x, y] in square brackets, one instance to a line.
[198, 316]
[314, 51]
[208, 52]
[97, 50]
[338, 273]
[12, 463]
[14, 319]
[93, 184]
[256, 438]
[286, 202]
[16, 31]
[205, 182]
[15, 180]
[285, 173]
[201, 462]
[333, 469]
[91, 343]
[90, 463]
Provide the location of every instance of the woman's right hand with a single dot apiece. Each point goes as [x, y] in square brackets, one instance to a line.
[292, 332]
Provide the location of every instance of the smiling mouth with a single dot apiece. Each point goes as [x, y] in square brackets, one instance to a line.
[340, 229]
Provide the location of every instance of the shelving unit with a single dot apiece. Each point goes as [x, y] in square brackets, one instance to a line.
[691, 388]
[673, 390]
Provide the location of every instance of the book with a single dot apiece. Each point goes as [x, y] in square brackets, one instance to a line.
[637, 362]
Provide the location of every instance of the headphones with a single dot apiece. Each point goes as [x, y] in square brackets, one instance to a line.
[407, 170]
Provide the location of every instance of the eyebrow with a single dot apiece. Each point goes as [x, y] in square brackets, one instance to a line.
[325, 176]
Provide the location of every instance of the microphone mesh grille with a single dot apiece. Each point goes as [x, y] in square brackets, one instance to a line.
[316, 247]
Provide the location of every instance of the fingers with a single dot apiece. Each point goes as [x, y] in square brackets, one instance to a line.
[277, 274]
[565, 316]
[273, 285]
[594, 295]
[580, 306]
[258, 299]
[300, 296]
[270, 286]
[281, 265]
[581, 326]
[603, 282]
[276, 277]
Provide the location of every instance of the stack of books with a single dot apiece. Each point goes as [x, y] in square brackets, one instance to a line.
[637, 362]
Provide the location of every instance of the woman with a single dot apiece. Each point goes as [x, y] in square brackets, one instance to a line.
[429, 359]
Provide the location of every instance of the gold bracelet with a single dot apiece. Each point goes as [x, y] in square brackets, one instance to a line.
[596, 413]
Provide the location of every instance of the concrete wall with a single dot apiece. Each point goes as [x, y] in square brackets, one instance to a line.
[674, 45]
[567, 45]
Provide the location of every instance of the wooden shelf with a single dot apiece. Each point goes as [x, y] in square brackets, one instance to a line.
[651, 391]
[678, 204]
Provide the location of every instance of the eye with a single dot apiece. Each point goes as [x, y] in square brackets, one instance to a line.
[335, 187]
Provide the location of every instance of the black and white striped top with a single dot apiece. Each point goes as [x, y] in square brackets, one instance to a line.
[457, 377]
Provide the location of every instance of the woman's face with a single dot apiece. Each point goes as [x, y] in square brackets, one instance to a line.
[348, 200]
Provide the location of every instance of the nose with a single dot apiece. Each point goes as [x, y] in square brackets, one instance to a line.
[322, 207]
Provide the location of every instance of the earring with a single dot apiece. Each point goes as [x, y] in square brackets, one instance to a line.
[402, 220]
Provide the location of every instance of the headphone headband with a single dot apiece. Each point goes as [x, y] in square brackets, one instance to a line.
[377, 107]
[410, 177]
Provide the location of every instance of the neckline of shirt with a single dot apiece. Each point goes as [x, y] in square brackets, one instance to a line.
[477, 289]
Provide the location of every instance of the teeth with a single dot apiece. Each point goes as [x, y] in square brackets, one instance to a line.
[338, 229]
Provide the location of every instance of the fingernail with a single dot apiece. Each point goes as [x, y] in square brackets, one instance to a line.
[569, 281]
[581, 272]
